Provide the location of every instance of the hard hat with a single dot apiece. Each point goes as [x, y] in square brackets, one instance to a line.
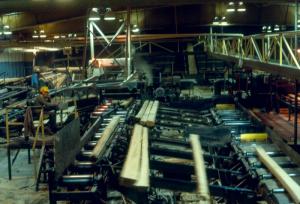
[44, 89]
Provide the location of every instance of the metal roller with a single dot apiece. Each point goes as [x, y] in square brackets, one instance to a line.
[86, 153]
[269, 176]
[86, 179]
[273, 154]
[238, 123]
[278, 190]
[84, 164]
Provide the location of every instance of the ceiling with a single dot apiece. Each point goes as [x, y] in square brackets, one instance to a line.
[61, 17]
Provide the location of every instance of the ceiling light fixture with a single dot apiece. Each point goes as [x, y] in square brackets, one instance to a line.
[109, 16]
[241, 7]
[269, 30]
[135, 29]
[223, 21]
[230, 7]
[39, 34]
[218, 21]
[94, 15]
[276, 28]
[5, 30]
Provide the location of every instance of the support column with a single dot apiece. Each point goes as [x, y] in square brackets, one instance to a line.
[128, 45]
[211, 38]
[296, 24]
[296, 114]
[92, 48]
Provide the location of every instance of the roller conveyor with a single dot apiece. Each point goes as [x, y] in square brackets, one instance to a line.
[234, 171]
[86, 171]
[271, 190]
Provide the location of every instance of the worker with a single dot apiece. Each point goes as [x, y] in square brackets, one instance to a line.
[37, 80]
[44, 100]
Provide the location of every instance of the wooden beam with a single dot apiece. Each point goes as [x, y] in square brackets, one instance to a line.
[142, 110]
[152, 115]
[286, 181]
[109, 129]
[146, 114]
[131, 169]
[143, 182]
[200, 171]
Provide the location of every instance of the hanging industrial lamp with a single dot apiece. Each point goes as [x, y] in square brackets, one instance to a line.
[109, 15]
[94, 15]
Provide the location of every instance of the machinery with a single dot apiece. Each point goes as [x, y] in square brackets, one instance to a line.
[228, 137]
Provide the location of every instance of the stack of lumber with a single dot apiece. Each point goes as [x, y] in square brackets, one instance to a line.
[142, 110]
[148, 112]
[108, 131]
[200, 171]
[135, 171]
[284, 179]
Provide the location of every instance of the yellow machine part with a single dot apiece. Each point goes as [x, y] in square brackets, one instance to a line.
[224, 106]
[246, 137]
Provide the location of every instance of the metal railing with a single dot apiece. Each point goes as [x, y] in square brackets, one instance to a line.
[278, 49]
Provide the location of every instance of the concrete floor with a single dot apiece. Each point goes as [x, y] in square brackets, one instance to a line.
[21, 189]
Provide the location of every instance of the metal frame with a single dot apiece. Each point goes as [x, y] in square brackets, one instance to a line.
[275, 53]
[109, 40]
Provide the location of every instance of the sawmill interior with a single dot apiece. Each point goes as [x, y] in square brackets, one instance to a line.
[149, 101]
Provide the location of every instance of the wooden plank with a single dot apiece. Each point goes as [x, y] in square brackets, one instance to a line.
[131, 169]
[126, 103]
[286, 181]
[146, 114]
[200, 171]
[143, 182]
[142, 110]
[109, 129]
[152, 114]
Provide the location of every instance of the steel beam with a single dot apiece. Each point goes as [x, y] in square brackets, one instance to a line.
[100, 32]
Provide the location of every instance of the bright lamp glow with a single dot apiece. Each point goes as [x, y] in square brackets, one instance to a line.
[109, 16]
[94, 15]
[7, 32]
[230, 7]
[241, 7]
